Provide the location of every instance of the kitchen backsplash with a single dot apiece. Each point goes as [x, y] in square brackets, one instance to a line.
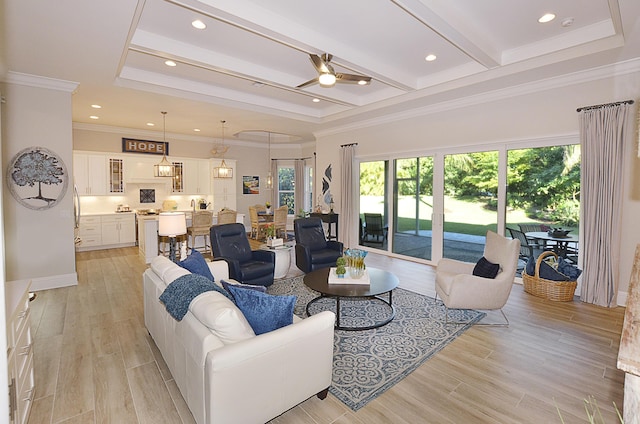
[108, 204]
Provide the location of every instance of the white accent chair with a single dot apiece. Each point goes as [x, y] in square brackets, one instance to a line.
[460, 289]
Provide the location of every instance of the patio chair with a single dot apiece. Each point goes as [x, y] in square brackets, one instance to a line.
[538, 228]
[373, 226]
[526, 250]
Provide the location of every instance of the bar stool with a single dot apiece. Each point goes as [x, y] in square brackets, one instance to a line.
[201, 222]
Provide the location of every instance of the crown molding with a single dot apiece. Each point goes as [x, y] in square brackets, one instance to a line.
[593, 74]
[37, 81]
[132, 132]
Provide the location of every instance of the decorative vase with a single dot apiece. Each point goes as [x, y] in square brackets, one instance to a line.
[355, 262]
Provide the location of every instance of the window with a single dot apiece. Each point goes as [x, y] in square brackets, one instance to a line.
[286, 187]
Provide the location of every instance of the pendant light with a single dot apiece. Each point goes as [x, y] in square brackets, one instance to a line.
[269, 184]
[164, 168]
[223, 171]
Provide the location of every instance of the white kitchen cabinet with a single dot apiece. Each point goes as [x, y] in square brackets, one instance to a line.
[90, 174]
[197, 176]
[19, 351]
[118, 229]
[107, 231]
[90, 231]
[224, 189]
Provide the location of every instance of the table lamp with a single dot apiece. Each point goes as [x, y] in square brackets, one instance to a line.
[172, 224]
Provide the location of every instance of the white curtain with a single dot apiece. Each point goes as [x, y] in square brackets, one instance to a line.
[276, 182]
[298, 197]
[603, 131]
[348, 198]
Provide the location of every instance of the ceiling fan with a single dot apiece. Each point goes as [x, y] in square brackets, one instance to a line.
[327, 77]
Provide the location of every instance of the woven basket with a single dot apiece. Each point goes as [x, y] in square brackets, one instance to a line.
[558, 291]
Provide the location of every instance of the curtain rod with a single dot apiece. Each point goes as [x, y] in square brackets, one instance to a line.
[580, 109]
[309, 157]
[350, 144]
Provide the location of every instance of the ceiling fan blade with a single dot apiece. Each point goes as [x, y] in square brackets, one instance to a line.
[319, 64]
[350, 78]
[310, 82]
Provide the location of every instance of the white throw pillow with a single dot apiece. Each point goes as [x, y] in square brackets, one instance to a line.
[222, 317]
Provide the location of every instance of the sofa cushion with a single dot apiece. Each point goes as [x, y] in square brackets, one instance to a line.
[197, 265]
[222, 317]
[486, 269]
[263, 311]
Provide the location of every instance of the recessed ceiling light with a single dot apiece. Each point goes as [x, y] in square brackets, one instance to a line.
[362, 82]
[430, 57]
[96, 106]
[196, 129]
[547, 17]
[316, 100]
[150, 124]
[170, 63]
[567, 22]
[198, 24]
[94, 117]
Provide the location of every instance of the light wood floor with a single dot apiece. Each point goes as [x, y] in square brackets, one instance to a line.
[95, 362]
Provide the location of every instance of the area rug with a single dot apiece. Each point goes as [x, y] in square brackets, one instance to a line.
[367, 363]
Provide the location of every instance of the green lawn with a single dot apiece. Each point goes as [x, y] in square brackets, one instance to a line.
[461, 216]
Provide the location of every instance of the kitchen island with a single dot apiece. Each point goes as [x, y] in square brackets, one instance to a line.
[148, 234]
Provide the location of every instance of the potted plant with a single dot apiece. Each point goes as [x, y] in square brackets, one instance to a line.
[340, 267]
[272, 241]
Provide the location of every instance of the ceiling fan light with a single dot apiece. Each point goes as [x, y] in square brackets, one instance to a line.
[327, 79]
[362, 82]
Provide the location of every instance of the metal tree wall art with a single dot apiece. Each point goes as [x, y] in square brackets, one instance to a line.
[37, 178]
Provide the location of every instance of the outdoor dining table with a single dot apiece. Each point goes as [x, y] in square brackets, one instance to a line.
[561, 244]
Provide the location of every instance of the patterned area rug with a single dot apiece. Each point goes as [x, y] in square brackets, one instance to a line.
[367, 363]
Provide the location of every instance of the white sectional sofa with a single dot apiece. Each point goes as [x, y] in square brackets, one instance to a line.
[249, 381]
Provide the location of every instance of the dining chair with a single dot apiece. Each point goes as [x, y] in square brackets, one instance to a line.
[201, 222]
[258, 227]
[280, 221]
[227, 216]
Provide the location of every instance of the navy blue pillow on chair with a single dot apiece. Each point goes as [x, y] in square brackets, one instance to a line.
[486, 269]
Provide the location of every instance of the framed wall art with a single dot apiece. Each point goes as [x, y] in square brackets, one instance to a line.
[37, 178]
[250, 184]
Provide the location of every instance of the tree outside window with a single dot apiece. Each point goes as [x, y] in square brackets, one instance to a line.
[286, 188]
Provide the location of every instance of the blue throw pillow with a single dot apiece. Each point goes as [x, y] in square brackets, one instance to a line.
[196, 264]
[226, 284]
[264, 312]
[486, 269]
[568, 269]
[546, 271]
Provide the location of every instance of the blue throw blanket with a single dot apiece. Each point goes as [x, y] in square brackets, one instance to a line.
[178, 295]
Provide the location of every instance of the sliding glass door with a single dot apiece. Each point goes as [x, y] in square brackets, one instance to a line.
[413, 207]
[470, 203]
[373, 204]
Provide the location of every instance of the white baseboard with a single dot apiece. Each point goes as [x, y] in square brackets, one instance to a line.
[622, 298]
[54, 282]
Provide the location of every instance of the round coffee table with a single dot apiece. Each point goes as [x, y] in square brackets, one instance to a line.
[381, 282]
